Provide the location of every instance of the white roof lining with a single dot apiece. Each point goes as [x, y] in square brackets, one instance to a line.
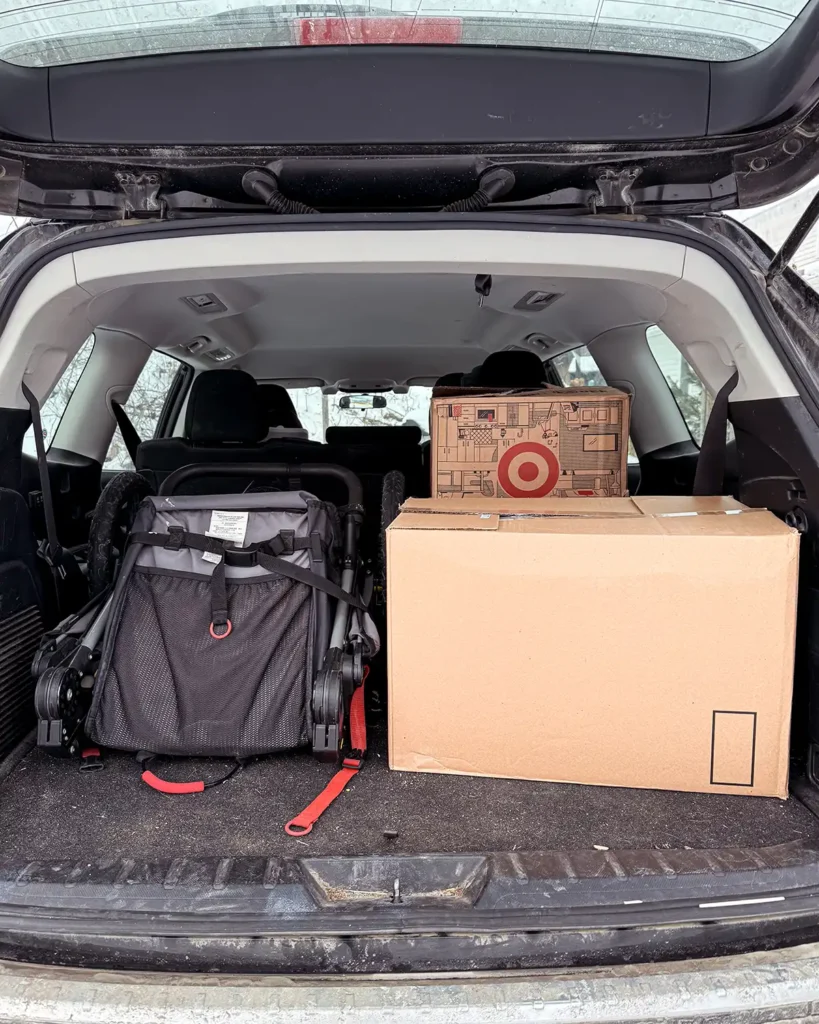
[690, 296]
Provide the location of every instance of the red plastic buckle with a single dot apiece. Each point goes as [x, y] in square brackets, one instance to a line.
[91, 760]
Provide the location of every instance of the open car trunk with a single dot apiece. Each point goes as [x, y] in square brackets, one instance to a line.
[96, 868]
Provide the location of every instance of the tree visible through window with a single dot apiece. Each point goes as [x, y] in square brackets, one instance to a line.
[53, 407]
[144, 406]
[317, 411]
[691, 395]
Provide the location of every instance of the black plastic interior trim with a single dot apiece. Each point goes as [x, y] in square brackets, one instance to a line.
[772, 83]
[25, 108]
[379, 94]
[409, 95]
[174, 400]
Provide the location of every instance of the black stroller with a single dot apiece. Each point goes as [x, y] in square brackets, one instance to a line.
[237, 626]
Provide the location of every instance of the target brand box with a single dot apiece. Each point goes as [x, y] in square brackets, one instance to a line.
[563, 442]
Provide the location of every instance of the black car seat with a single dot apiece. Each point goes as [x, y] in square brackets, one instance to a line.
[450, 380]
[514, 368]
[280, 414]
[371, 453]
[225, 421]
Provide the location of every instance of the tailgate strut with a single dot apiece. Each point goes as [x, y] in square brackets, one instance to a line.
[793, 241]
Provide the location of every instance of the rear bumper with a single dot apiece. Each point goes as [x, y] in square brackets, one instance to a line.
[755, 987]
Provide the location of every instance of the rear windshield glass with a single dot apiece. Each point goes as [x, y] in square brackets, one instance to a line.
[52, 32]
[317, 411]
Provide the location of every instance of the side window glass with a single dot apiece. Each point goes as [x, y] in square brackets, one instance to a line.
[144, 406]
[576, 369]
[693, 399]
[51, 411]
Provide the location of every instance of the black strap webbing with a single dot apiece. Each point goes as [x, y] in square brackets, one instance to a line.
[295, 572]
[53, 550]
[177, 538]
[130, 437]
[709, 477]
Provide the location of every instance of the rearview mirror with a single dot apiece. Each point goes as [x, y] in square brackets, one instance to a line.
[362, 402]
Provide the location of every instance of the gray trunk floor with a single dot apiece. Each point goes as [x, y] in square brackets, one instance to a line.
[49, 810]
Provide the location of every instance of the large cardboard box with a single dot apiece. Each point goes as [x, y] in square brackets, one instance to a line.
[568, 442]
[644, 642]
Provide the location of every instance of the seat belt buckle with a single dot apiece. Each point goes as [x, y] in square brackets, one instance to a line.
[52, 558]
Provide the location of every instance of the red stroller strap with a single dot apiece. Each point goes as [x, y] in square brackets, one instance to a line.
[144, 758]
[172, 788]
[303, 823]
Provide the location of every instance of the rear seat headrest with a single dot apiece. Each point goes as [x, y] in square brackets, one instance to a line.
[400, 435]
[278, 406]
[224, 406]
[450, 380]
[510, 369]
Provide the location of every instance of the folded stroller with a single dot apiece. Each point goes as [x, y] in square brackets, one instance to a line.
[236, 627]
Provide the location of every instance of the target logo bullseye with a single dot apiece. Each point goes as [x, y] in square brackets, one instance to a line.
[528, 470]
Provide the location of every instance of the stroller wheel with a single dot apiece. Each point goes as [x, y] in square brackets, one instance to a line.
[56, 693]
[328, 709]
[110, 524]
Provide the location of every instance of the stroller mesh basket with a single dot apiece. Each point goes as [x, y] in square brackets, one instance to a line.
[234, 628]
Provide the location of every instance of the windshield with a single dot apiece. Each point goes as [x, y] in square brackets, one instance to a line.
[318, 411]
[53, 32]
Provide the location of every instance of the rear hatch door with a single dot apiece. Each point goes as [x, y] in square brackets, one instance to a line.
[616, 105]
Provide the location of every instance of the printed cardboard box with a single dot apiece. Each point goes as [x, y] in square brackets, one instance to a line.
[566, 442]
[643, 642]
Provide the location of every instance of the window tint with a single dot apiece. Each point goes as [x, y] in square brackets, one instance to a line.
[144, 406]
[53, 408]
[45, 32]
[692, 397]
[318, 411]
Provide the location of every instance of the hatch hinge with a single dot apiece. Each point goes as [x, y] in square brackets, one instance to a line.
[614, 186]
[141, 192]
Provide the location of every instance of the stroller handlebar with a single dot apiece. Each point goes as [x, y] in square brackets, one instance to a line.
[355, 494]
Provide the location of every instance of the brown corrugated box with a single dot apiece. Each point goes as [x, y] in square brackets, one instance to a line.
[566, 442]
[643, 642]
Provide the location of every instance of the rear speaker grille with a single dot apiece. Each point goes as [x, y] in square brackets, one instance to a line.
[19, 637]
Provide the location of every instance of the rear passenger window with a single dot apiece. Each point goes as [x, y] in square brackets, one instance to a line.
[53, 407]
[691, 395]
[576, 369]
[144, 406]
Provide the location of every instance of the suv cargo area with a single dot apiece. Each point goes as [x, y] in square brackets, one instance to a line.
[344, 331]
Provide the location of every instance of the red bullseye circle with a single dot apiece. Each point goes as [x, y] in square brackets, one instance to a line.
[530, 464]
